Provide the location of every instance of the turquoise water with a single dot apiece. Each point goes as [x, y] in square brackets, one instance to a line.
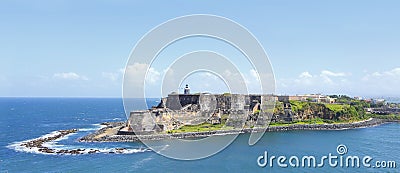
[27, 118]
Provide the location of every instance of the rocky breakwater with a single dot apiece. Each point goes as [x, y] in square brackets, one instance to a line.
[133, 138]
[39, 143]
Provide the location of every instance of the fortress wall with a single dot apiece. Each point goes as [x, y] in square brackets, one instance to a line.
[208, 103]
[173, 102]
[238, 102]
[224, 102]
[177, 101]
[142, 121]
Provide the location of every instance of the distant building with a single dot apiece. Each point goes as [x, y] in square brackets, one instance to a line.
[378, 101]
[358, 98]
[186, 91]
[298, 98]
[284, 99]
[318, 98]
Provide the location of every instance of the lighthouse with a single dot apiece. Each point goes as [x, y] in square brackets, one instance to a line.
[186, 91]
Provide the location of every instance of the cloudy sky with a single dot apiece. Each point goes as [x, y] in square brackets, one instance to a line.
[80, 48]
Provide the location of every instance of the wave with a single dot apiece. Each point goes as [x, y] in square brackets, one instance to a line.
[139, 164]
[34, 150]
[88, 129]
[18, 146]
[97, 127]
[110, 150]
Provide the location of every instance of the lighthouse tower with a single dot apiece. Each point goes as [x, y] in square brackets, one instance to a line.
[186, 91]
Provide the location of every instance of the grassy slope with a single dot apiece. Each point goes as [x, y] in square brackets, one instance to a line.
[336, 107]
[204, 127]
[296, 106]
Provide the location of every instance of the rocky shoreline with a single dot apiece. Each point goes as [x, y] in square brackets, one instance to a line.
[39, 144]
[109, 134]
[134, 138]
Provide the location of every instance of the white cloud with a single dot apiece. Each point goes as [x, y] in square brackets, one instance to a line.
[327, 76]
[393, 74]
[385, 82]
[395, 71]
[254, 74]
[305, 74]
[153, 76]
[114, 76]
[208, 75]
[69, 76]
[138, 71]
[379, 83]
[332, 74]
[324, 82]
[111, 76]
[386, 76]
[134, 78]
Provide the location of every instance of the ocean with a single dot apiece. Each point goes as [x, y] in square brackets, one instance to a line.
[27, 118]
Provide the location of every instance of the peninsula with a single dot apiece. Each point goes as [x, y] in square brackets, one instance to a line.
[203, 114]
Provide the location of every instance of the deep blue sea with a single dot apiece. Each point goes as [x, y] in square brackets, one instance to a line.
[27, 118]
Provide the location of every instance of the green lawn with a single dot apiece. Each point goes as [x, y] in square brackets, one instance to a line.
[335, 107]
[297, 105]
[313, 121]
[204, 127]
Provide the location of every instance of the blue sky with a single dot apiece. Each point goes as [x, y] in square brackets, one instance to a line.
[78, 48]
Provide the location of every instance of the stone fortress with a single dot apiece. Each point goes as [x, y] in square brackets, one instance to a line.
[177, 110]
[234, 110]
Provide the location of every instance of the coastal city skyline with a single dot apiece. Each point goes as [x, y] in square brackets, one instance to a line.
[54, 49]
